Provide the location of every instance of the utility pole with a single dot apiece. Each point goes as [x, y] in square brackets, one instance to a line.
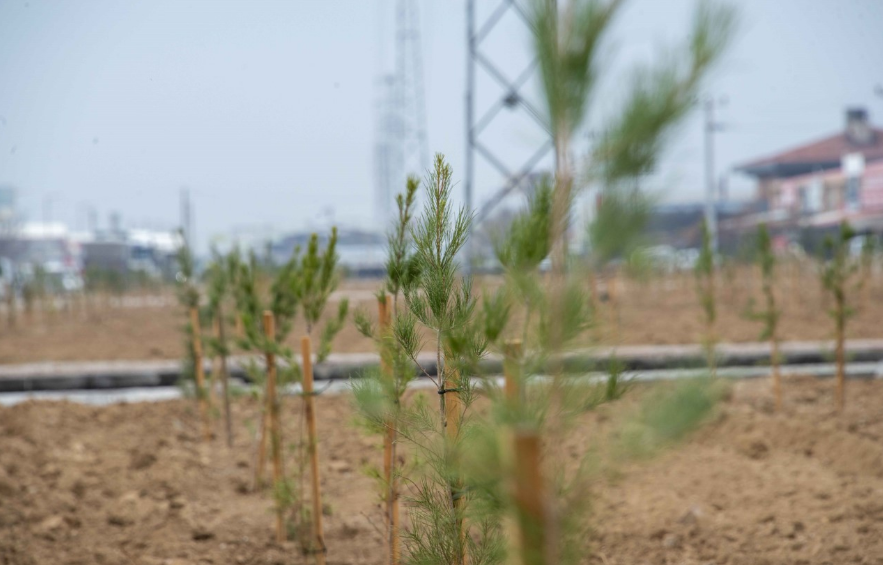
[710, 185]
[186, 218]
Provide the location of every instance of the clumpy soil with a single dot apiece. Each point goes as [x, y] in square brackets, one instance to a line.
[663, 310]
[133, 484]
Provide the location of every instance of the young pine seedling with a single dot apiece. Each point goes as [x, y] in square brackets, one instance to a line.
[770, 314]
[378, 395]
[218, 278]
[189, 299]
[318, 276]
[441, 301]
[705, 272]
[837, 271]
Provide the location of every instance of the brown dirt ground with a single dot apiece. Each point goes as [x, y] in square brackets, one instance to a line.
[132, 484]
[662, 311]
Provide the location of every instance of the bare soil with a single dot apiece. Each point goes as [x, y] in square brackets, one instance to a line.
[661, 311]
[133, 484]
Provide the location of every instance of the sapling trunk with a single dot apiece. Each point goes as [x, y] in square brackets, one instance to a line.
[770, 315]
[389, 445]
[200, 374]
[836, 275]
[275, 431]
[318, 548]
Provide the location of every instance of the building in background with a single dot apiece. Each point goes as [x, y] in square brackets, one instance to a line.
[808, 190]
[858, 137]
[361, 253]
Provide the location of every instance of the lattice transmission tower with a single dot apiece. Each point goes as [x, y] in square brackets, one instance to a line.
[505, 101]
[401, 146]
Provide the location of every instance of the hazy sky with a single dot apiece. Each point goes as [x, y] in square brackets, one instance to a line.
[266, 110]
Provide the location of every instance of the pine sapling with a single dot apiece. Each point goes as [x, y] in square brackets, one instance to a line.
[219, 274]
[317, 542]
[272, 406]
[770, 313]
[705, 288]
[378, 395]
[837, 271]
[188, 297]
[318, 276]
[442, 302]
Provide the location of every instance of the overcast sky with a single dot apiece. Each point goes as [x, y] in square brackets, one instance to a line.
[266, 110]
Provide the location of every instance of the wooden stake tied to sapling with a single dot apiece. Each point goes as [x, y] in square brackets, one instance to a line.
[272, 408]
[201, 392]
[378, 395]
[318, 277]
[188, 297]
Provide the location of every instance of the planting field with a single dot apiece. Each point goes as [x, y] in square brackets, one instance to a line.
[662, 311]
[133, 484]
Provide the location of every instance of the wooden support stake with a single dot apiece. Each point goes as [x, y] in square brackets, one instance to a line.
[529, 499]
[200, 373]
[275, 432]
[216, 364]
[313, 450]
[225, 377]
[389, 443]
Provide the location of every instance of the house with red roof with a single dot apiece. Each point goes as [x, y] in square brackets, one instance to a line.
[820, 184]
